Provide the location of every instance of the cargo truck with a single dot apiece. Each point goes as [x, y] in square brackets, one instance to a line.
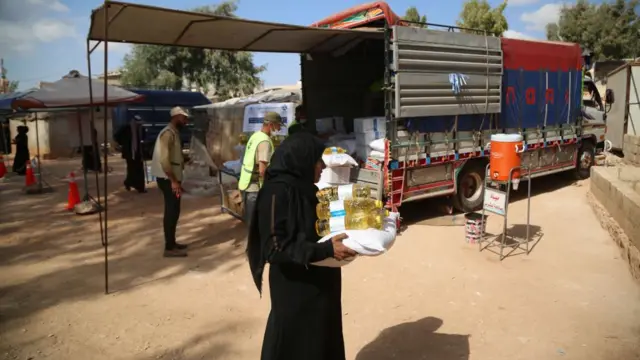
[443, 94]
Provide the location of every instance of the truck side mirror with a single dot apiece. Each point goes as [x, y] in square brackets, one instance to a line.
[609, 98]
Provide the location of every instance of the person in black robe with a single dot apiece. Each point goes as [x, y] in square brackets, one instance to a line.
[22, 151]
[129, 138]
[305, 322]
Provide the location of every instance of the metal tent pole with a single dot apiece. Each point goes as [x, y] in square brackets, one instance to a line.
[106, 160]
[94, 141]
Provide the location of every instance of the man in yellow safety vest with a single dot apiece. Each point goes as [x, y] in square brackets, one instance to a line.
[256, 159]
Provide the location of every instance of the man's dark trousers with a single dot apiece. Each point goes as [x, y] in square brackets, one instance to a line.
[171, 213]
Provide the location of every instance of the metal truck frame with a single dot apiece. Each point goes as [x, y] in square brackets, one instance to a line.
[452, 162]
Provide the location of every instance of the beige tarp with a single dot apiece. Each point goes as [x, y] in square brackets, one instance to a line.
[142, 24]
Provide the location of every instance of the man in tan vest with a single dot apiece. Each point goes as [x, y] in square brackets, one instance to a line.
[167, 165]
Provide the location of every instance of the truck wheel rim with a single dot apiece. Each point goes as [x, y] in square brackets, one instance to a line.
[585, 160]
[471, 187]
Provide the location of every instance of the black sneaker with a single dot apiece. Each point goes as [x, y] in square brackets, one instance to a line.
[181, 246]
[175, 253]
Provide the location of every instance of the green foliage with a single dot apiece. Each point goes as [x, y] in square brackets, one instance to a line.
[414, 16]
[478, 14]
[166, 67]
[13, 86]
[610, 29]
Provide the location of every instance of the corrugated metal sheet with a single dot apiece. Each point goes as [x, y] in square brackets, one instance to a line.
[423, 61]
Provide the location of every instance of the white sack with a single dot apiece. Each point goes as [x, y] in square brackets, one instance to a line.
[368, 242]
[377, 145]
[337, 160]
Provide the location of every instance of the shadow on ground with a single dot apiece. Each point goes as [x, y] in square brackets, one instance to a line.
[416, 340]
[516, 242]
[61, 256]
[435, 212]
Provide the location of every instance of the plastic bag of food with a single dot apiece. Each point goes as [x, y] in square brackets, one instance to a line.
[336, 160]
[378, 145]
[368, 242]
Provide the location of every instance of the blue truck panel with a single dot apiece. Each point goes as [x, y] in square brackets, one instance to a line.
[154, 111]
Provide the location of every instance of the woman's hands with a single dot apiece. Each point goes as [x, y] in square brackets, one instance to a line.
[341, 252]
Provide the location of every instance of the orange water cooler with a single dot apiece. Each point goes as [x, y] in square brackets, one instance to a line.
[506, 154]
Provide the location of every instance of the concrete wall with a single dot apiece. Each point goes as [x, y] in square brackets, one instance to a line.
[617, 189]
[631, 149]
[59, 133]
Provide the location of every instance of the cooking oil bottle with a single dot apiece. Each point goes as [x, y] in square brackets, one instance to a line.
[345, 207]
[359, 220]
[334, 150]
[343, 192]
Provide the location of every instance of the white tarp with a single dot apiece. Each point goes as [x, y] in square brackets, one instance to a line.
[73, 90]
[254, 115]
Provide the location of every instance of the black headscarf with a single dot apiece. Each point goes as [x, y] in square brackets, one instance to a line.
[291, 172]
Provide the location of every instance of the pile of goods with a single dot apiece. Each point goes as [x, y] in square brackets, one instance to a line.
[199, 179]
[339, 164]
[349, 209]
[370, 133]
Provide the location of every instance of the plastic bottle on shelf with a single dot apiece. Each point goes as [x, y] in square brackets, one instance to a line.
[343, 192]
[360, 220]
[326, 210]
[334, 150]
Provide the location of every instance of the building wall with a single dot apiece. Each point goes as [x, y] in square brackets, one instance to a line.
[59, 133]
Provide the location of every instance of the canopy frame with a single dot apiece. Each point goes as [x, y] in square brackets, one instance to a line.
[109, 23]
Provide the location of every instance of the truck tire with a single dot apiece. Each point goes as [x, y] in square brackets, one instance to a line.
[469, 196]
[586, 159]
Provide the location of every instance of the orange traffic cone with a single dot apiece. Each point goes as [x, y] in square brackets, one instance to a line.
[29, 178]
[74, 194]
[3, 167]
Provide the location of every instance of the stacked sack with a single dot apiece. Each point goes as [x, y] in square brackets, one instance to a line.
[349, 209]
[371, 130]
[330, 125]
[339, 164]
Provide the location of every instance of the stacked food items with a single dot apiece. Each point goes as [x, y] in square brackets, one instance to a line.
[339, 164]
[350, 209]
[367, 131]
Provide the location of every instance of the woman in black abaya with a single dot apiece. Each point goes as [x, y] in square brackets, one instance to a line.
[129, 138]
[22, 151]
[305, 322]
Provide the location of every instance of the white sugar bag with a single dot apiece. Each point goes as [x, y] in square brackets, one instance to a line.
[337, 160]
[370, 242]
[377, 145]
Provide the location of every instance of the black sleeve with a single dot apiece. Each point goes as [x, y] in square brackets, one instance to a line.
[287, 246]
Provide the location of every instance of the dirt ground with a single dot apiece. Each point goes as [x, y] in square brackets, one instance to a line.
[433, 296]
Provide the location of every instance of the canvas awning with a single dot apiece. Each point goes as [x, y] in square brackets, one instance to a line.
[142, 24]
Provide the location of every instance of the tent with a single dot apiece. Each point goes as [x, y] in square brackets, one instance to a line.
[74, 90]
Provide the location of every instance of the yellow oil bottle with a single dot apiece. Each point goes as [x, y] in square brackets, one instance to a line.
[326, 210]
[343, 192]
[360, 220]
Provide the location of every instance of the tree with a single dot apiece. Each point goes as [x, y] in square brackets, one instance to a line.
[167, 67]
[611, 29]
[414, 16]
[13, 86]
[478, 14]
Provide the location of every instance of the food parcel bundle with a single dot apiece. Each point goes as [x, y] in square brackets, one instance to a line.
[349, 209]
[339, 164]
